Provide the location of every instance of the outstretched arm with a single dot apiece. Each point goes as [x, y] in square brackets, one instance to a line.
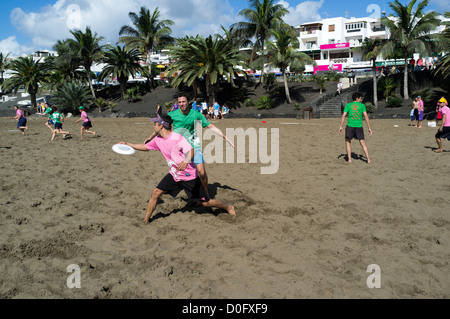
[342, 122]
[138, 147]
[368, 122]
[219, 132]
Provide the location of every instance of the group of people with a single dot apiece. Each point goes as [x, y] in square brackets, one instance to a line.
[356, 111]
[55, 121]
[176, 138]
[212, 112]
[417, 111]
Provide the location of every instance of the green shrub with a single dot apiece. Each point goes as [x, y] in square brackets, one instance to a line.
[264, 103]
[297, 106]
[133, 94]
[394, 101]
[369, 107]
[249, 102]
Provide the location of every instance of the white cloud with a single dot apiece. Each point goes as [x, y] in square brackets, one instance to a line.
[105, 17]
[443, 5]
[10, 45]
[306, 11]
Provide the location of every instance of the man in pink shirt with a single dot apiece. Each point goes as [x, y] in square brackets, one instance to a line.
[444, 129]
[182, 175]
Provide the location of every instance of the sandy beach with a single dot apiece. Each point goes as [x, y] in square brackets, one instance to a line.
[310, 230]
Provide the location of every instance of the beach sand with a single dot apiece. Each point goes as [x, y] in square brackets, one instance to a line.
[310, 230]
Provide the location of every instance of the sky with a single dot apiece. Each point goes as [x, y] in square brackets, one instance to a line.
[31, 25]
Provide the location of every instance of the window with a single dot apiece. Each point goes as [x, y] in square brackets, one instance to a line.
[331, 28]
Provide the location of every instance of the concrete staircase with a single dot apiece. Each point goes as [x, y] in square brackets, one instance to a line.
[331, 108]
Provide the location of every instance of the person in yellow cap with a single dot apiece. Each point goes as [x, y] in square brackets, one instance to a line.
[444, 128]
[86, 123]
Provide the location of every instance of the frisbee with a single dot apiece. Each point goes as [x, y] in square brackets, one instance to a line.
[123, 149]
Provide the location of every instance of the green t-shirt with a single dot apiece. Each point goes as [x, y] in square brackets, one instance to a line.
[185, 125]
[57, 117]
[355, 112]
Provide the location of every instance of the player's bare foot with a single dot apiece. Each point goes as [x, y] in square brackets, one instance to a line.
[438, 150]
[231, 211]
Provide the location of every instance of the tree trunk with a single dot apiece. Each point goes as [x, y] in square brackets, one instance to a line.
[405, 82]
[375, 97]
[33, 99]
[286, 88]
[150, 75]
[123, 88]
[90, 82]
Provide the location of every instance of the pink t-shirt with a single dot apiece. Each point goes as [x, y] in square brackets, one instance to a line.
[19, 114]
[84, 116]
[174, 149]
[420, 106]
[445, 110]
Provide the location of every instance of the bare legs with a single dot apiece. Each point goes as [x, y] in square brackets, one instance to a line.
[348, 147]
[151, 206]
[86, 130]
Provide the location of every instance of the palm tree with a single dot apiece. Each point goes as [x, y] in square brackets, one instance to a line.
[282, 54]
[121, 63]
[29, 73]
[3, 65]
[263, 17]
[149, 33]
[443, 64]
[211, 58]
[370, 50]
[87, 48]
[71, 95]
[410, 32]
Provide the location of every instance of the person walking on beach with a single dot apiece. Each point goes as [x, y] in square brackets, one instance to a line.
[58, 119]
[87, 125]
[184, 123]
[420, 111]
[444, 128]
[21, 120]
[182, 175]
[354, 129]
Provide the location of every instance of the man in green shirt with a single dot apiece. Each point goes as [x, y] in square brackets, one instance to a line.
[184, 121]
[355, 110]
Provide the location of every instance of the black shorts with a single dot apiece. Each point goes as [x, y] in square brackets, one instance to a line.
[87, 125]
[58, 126]
[416, 114]
[354, 132]
[194, 188]
[444, 134]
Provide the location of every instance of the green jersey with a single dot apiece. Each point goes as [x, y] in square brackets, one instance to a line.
[185, 125]
[57, 117]
[355, 112]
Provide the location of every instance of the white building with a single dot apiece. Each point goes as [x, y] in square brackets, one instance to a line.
[330, 41]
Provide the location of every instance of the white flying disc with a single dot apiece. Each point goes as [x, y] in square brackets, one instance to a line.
[123, 149]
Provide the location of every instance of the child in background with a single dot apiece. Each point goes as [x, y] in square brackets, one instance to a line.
[86, 123]
[58, 119]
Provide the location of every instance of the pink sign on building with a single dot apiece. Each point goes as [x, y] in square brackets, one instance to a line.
[336, 67]
[335, 46]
